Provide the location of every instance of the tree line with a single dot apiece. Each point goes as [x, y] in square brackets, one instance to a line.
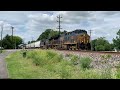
[10, 42]
[99, 44]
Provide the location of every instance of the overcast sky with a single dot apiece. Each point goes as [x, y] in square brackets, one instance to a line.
[28, 24]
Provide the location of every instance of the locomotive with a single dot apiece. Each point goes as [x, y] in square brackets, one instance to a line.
[74, 40]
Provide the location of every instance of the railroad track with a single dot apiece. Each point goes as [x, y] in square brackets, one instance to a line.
[101, 52]
[104, 52]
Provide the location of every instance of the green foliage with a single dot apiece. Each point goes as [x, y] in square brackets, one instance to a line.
[49, 33]
[106, 73]
[43, 57]
[7, 42]
[100, 48]
[118, 72]
[112, 46]
[53, 34]
[101, 44]
[74, 59]
[94, 44]
[45, 34]
[85, 62]
[116, 41]
[64, 69]
[53, 66]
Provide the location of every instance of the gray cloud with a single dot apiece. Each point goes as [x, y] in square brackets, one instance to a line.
[32, 23]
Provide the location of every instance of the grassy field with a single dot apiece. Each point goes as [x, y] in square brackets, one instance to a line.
[48, 64]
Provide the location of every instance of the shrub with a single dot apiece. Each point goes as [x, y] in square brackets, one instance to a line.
[31, 54]
[44, 57]
[64, 69]
[99, 48]
[74, 59]
[85, 62]
[39, 60]
[57, 58]
[51, 54]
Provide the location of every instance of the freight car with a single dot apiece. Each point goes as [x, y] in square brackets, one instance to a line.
[74, 40]
[33, 45]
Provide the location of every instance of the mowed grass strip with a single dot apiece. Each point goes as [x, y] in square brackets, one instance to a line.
[25, 68]
[48, 64]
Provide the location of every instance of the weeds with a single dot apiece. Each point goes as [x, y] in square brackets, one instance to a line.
[105, 58]
[85, 62]
[48, 64]
[74, 59]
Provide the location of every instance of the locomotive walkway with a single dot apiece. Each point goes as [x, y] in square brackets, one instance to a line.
[3, 67]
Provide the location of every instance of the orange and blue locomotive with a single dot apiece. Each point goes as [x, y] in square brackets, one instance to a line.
[75, 40]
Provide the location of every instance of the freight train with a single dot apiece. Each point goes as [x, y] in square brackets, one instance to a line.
[74, 40]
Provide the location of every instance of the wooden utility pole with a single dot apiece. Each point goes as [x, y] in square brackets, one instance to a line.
[1, 36]
[12, 37]
[90, 39]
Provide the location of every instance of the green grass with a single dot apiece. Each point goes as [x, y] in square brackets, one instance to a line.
[3, 51]
[85, 62]
[48, 64]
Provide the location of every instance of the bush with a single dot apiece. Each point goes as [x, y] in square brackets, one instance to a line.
[39, 60]
[51, 54]
[85, 62]
[44, 57]
[63, 69]
[100, 48]
[74, 59]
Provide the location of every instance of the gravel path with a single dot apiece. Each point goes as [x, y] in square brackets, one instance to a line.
[3, 67]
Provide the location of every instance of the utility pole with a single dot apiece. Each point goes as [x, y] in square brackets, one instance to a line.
[1, 37]
[59, 26]
[90, 39]
[12, 36]
[15, 38]
[59, 21]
